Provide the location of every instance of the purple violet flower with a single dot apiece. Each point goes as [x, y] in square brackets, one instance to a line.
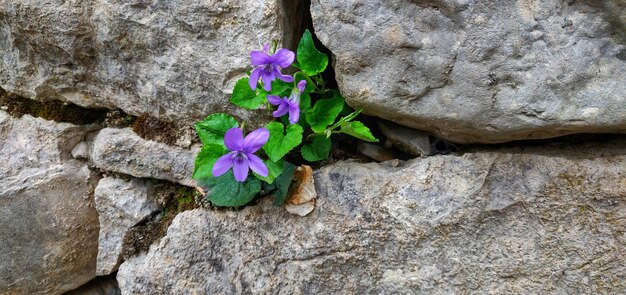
[267, 67]
[242, 154]
[291, 104]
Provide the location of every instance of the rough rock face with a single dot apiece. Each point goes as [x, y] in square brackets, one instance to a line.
[123, 151]
[121, 204]
[171, 59]
[48, 223]
[481, 71]
[530, 220]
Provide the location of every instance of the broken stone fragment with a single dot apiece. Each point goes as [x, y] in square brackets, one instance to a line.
[123, 151]
[375, 152]
[121, 204]
[302, 192]
[412, 141]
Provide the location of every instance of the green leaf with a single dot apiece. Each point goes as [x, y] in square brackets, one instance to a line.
[282, 183]
[347, 118]
[358, 130]
[317, 150]
[205, 160]
[279, 143]
[280, 88]
[245, 97]
[227, 192]
[324, 113]
[310, 59]
[211, 130]
[274, 170]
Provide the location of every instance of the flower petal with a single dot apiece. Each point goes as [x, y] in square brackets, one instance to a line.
[274, 100]
[285, 78]
[254, 78]
[283, 108]
[222, 165]
[301, 85]
[259, 58]
[268, 77]
[282, 58]
[255, 140]
[240, 169]
[257, 165]
[294, 113]
[233, 139]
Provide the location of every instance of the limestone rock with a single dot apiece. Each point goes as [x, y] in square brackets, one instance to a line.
[123, 151]
[412, 141]
[121, 204]
[48, 223]
[481, 71]
[175, 60]
[530, 220]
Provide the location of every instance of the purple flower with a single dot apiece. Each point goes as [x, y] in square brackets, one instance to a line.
[268, 67]
[291, 104]
[242, 154]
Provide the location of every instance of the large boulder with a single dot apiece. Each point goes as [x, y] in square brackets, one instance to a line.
[171, 59]
[530, 220]
[481, 71]
[48, 223]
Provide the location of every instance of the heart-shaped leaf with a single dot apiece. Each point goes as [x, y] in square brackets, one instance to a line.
[310, 60]
[227, 192]
[318, 149]
[205, 160]
[211, 130]
[281, 141]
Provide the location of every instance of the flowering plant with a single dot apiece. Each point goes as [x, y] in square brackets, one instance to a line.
[226, 158]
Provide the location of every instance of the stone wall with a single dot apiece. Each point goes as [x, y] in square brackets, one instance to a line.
[86, 198]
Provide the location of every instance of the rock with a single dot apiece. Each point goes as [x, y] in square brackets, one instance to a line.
[375, 152]
[123, 151]
[412, 141]
[491, 221]
[99, 286]
[31, 143]
[481, 71]
[49, 226]
[121, 205]
[176, 60]
[302, 192]
[81, 151]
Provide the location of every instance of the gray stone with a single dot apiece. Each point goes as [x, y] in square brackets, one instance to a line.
[481, 71]
[121, 205]
[31, 143]
[123, 151]
[412, 141]
[48, 224]
[174, 60]
[532, 220]
[375, 151]
[99, 286]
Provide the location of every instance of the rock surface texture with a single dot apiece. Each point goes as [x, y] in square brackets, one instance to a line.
[171, 59]
[530, 220]
[481, 71]
[48, 223]
[123, 151]
[121, 204]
